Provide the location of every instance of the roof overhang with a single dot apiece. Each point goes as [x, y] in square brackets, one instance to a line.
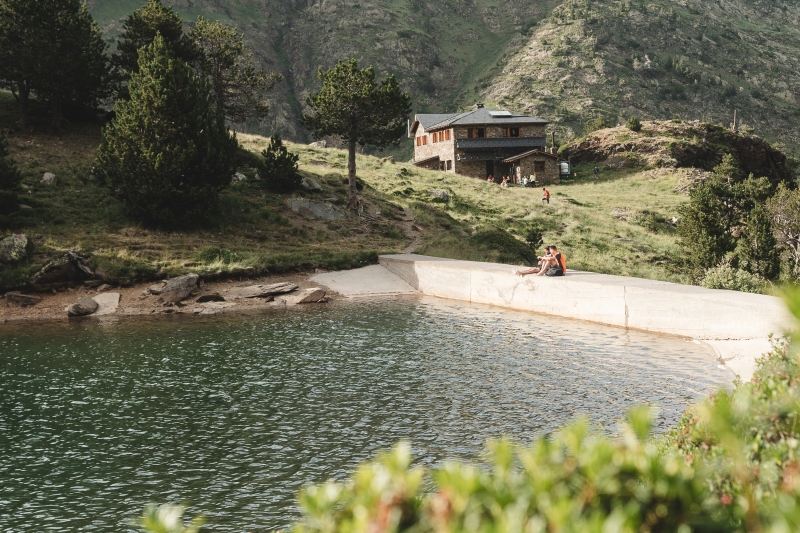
[427, 160]
[529, 153]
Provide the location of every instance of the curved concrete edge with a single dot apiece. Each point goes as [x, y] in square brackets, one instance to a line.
[736, 325]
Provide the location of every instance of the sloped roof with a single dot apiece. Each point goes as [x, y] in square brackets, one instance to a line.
[500, 142]
[477, 117]
[523, 155]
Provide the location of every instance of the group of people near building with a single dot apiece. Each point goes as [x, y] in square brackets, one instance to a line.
[524, 181]
[552, 263]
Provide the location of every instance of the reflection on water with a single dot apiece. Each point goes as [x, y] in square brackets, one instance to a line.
[235, 414]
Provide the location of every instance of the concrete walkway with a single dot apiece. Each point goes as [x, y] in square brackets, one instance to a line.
[364, 282]
[736, 325]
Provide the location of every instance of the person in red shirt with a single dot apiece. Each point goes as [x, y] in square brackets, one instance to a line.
[545, 195]
[552, 264]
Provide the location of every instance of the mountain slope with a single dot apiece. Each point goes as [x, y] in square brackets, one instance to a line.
[687, 59]
[567, 60]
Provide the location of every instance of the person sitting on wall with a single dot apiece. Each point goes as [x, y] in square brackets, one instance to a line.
[542, 259]
[551, 265]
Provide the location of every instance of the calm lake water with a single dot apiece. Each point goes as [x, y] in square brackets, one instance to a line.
[234, 414]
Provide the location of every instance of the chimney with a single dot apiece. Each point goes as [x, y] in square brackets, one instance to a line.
[479, 105]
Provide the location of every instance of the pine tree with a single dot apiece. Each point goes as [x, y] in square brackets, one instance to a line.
[757, 249]
[9, 180]
[139, 30]
[167, 154]
[278, 170]
[237, 85]
[350, 104]
[54, 49]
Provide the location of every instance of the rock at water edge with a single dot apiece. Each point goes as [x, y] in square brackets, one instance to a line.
[180, 288]
[306, 296]
[85, 306]
[213, 297]
[13, 249]
[107, 303]
[22, 300]
[261, 291]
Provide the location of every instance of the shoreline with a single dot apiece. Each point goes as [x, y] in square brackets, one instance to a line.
[136, 301]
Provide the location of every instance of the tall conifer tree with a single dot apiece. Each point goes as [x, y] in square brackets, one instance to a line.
[167, 154]
[352, 105]
[9, 179]
[139, 30]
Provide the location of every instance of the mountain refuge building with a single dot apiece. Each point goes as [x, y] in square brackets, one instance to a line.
[485, 142]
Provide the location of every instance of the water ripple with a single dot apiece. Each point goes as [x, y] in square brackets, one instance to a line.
[234, 414]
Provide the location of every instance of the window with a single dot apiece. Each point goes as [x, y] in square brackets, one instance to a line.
[477, 133]
[447, 135]
[538, 166]
[481, 133]
[436, 137]
[422, 140]
[449, 164]
[512, 132]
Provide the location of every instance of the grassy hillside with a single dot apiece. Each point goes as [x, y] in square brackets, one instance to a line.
[658, 59]
[617, 224]
[567, 60]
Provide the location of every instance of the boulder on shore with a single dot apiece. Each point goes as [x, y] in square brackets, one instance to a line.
[85, 306]
[13, 249]
[306, 296]
[107, 303]
[180, 288]
[68, 268]
[261, 291]
[22, 300]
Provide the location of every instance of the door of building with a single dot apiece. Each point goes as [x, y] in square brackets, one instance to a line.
[490, 168]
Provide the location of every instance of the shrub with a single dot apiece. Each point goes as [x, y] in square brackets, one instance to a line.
[633, 124]
[597, 123]
[734, 279]
[278, 170]
[10, 179]
[166, 155]
[535, 237]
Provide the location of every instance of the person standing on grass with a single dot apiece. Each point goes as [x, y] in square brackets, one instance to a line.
[545, 196]
[596, 172]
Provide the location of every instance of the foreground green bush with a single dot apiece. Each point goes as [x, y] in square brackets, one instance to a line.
[731, 465]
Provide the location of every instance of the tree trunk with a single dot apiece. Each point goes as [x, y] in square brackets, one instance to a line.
[56, 110]
[23, 97]
[352, 198]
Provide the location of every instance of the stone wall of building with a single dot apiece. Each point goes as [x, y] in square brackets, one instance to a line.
[472, 169]
[444, 149]
[551, 172]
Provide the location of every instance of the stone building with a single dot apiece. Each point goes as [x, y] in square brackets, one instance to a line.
[484, 142]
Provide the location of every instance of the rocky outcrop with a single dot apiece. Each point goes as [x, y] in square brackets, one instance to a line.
[67, 269]
[319, 144]
[238, 178]
[313, 209]
[178, 289]
[261, 291]
[682, 145]
[84, 307]
[49, 179]
[440, 195]
[14, 249]
[21, 300]
[310, 184]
